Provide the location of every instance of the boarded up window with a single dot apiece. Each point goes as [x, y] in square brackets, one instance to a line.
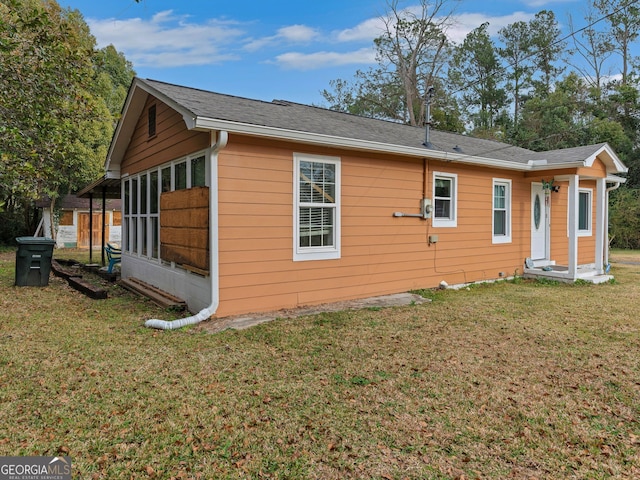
[117, 218]
[66, 218]
[184, 228]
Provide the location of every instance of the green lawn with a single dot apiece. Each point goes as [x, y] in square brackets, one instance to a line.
[512, 380]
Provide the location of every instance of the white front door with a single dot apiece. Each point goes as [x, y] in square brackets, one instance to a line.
[539, 223]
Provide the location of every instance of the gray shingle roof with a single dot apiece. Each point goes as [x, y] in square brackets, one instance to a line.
[291, 116]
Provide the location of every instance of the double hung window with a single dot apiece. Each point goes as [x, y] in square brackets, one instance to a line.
[445, 192]
[584, 212]
[501, 211]
[316, 207]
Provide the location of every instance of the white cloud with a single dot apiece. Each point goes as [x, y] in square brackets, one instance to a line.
[542, 3]
[311, 61]
[297, 33]
[367, 30]
[466, 22]
[463, 23]
[167, 40]
[290, 34]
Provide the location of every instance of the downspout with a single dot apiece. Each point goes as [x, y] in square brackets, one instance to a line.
[606, 225]
[216, 145]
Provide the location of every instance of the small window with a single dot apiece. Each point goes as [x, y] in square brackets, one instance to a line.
[198, 172]
[153, 192]
[166, 179]
[317, 207]
[180, 176]
[584, 212]
[152, 121]
[445, 190]
[501, 211]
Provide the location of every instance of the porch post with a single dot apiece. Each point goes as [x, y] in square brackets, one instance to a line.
[574, 181]
[91, 227]
[601, 224]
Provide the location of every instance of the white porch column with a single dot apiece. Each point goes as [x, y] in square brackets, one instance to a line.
[601, 224]
[574, 181]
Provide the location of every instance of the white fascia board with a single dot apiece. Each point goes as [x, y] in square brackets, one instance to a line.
[610, 159]
[350, 143]
[616, 179]
[557, 166]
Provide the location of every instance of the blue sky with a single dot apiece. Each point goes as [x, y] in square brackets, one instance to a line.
[276, 49]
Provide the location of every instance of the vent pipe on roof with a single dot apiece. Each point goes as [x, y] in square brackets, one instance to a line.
[207, 312]
[427, 120]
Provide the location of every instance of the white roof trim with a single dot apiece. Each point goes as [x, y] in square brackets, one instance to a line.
[616, 179]
[351, 143]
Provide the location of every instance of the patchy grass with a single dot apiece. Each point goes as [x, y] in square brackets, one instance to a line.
[509, 380]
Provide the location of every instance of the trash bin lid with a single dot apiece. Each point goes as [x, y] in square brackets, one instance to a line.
[35, 241]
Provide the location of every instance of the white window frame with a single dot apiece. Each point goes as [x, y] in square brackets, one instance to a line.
[316, 253]
[588, 231]
[452, 221]
[506, 238]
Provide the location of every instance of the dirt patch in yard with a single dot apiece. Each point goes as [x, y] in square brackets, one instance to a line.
[240, 322]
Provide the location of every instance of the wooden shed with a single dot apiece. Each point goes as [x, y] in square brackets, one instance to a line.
[78, 224]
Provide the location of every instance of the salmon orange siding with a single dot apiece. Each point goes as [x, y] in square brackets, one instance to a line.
[380, 253]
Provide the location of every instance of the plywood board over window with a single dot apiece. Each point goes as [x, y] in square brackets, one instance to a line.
[184, 228]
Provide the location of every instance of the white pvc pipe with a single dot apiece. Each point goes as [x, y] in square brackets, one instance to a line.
[205, 313]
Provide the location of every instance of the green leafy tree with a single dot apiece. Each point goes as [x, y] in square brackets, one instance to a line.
[55, 127]
[548, 50]
[624, 218]
[516, 52]
[556, 120]
[113, 76]
[477, 73]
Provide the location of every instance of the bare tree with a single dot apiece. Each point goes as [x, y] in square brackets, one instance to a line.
[415, 45]
[594, 47]
[624, 18]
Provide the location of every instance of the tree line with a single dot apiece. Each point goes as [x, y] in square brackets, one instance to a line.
[531, 86]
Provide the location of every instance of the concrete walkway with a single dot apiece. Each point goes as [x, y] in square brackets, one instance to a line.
[240, 322]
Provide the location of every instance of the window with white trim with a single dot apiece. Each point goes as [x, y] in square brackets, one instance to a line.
[445, 200]
[316, 207]
[141, 197]
[501, 224]
[584, 211]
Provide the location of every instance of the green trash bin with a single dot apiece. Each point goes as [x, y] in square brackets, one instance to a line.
[33, 261]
